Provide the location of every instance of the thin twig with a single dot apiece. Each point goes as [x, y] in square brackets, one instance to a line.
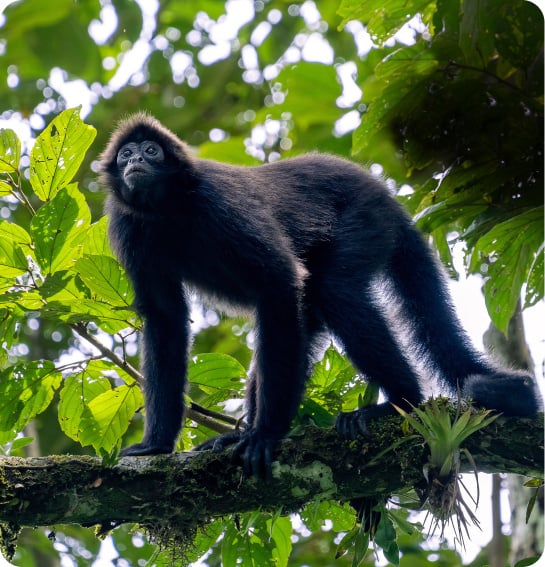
[213, 420]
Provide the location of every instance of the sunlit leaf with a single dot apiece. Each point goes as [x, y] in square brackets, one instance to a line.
[18, 235]
[96, 240]
[78, 390]
[214, 377]
[280, 530]
[58, 230]
[26, 390]
[13, 261]
[107, 416]
[58, 153]
[106, 279]
[10, 152]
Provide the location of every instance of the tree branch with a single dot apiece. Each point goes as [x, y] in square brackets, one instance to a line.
[187, 489]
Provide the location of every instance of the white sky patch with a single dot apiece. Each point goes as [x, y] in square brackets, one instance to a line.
[317, 49]
[260, 33]
[347, 73]
[101, 30]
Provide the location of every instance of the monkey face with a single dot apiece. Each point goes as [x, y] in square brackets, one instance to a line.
[138, 163]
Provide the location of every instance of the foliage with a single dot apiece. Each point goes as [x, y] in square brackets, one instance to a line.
[444, 437]
[474, 74]
[456, 111]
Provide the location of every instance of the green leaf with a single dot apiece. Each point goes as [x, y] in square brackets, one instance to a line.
[19, 443]
[214, 377]
[58, 153]
[77, 397]
[381, 18]
[68, 299]
[536, 284]
[96, 240]
[386, 538]
[280, 530]
[25, 391]
[107, 416]
[361, 546]
[347, 541]
[510, 245]
[58, 230]
[77, 392]
[394, 90]
[17, 234]
[106, 279]
[5, 189]
[10, 152]
[13, 261]
[109, 319]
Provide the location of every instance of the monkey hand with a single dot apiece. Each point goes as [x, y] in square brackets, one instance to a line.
[351, 424]
[254, 450]
[221, 442]
[354, 423]
[140, 449]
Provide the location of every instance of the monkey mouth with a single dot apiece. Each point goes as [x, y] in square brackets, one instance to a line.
[134, 176]
[134, 169]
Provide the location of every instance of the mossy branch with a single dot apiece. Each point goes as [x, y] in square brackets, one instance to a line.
[186, 489]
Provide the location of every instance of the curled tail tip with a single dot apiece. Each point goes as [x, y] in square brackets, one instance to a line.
[512, 393]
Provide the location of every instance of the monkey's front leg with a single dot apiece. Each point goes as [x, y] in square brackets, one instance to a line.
[164, 364]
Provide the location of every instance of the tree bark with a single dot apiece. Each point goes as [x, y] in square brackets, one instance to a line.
[187, 489]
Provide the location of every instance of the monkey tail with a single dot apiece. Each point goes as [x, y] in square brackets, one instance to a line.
[420, 281]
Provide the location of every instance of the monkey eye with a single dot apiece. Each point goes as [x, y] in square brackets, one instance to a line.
[125, 153]
[151, 150]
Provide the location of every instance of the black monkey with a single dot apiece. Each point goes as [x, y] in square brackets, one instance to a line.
[300, 243]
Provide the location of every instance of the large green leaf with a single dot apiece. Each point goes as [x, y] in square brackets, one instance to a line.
[58, 229]
[10, 151]
[96, 239]
[25, 391]
[89, 406]
[106, 279]
[78, 390]
[107, 417]
[77, 310]
[12, 232]
[12, 259]
[58, 153]
[340, 514]
[510, 246]
[214, 377]
[387, 539]
[67, 298]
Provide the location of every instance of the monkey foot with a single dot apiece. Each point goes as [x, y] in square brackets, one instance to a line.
[140, 449]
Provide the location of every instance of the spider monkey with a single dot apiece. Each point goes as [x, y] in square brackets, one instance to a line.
[301, 244]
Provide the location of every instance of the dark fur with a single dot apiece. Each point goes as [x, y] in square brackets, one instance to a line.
[299, 242]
